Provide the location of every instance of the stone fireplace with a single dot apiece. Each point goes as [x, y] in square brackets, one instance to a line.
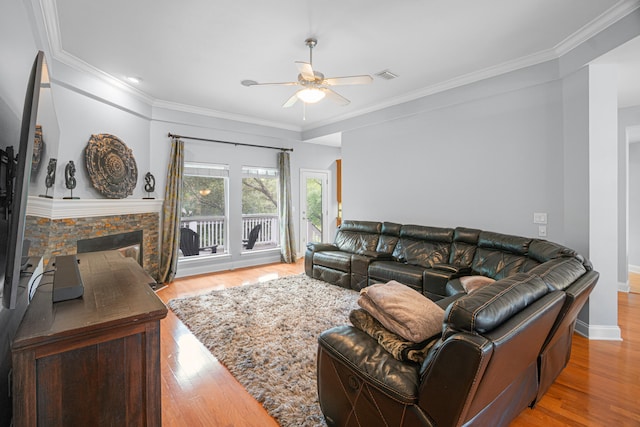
[130, 244]
[73, 226]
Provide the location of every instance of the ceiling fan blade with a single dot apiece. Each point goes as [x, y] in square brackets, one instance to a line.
[291, 101]
[348, 80]
[335, 97]
[306, 71]
[249, 83]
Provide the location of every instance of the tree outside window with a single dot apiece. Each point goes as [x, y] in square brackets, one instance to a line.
[205, 205]
[260, 208]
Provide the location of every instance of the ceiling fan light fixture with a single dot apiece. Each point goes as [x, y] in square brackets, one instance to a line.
[310, 95]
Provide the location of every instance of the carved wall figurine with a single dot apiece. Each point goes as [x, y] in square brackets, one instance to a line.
[51, 177]
[149, 184]
[70, 175]
[70, 178]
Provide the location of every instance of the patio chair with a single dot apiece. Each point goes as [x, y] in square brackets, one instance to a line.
[190, 243]
[253, 236]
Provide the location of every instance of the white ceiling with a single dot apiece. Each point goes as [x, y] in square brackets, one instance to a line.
[192, 54]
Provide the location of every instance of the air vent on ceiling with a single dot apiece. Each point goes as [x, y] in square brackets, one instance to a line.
[386, 75]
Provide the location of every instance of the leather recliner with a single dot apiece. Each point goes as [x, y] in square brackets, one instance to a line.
[482, 371]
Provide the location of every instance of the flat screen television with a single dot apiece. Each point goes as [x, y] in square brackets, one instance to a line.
[15, 172]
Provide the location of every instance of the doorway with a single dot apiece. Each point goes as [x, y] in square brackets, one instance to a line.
[314, 207]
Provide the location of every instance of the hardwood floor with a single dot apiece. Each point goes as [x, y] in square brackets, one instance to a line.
[634, 283]
[599, 387]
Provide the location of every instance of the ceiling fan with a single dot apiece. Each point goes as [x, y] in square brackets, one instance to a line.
[313, 84]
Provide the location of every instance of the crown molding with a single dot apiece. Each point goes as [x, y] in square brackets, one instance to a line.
[594, 27]
[52, 28]
[608, 18]
[207, 112]
[476, 76]
[83, 208]
[614, 14]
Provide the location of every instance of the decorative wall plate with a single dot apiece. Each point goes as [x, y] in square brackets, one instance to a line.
[111, 166]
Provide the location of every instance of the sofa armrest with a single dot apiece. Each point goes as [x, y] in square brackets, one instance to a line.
[454, 269]
[318, 247]
[313, 248]
[361, 353]
[435, 280]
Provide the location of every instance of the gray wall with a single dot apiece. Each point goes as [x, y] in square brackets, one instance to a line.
[488, 163]
[634, 206]
[629, 192]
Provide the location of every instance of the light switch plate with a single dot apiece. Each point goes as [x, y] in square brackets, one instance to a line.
[540, 218]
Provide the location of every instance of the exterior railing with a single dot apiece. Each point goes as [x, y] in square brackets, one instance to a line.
[314, 233]
[212, 230]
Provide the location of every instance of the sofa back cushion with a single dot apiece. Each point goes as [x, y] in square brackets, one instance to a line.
[500, 255]
[492, 305]
[560, 273]
[543, 251]
[358, 236]
[463, 248]
[423, 246]
[389, 237]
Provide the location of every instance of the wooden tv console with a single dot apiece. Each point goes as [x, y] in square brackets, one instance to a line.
[95, 360]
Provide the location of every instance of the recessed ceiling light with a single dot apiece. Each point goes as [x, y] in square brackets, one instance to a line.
[134, 80]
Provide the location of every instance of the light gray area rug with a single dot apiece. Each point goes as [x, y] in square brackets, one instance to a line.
[266, 335]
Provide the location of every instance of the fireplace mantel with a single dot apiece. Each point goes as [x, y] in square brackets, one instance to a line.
[55, 225]
[84, 208]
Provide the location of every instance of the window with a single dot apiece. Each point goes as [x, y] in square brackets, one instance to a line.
[260, 218]
[204, 209]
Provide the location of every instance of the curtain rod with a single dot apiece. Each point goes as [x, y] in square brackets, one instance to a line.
[228, 142]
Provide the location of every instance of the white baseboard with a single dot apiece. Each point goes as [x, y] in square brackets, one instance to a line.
[213, 264]
[598, 332]
[634, 268]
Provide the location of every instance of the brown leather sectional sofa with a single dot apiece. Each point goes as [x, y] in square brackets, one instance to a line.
[501, 348]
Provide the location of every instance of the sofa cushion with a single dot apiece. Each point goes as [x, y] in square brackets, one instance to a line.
[473, 283]
[424, 246]
[389, 237]
[463, 247]
[490, 306]
[543, 251]
[504, 242]
[402, 310]
[410, 275]
[358, 236]
[497, 264]
[333, 259]
[560, 273]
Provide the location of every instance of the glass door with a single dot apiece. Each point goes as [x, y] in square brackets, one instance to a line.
[314, 211]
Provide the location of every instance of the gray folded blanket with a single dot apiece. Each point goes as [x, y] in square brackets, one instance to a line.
[402, 310]
[398, 347]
